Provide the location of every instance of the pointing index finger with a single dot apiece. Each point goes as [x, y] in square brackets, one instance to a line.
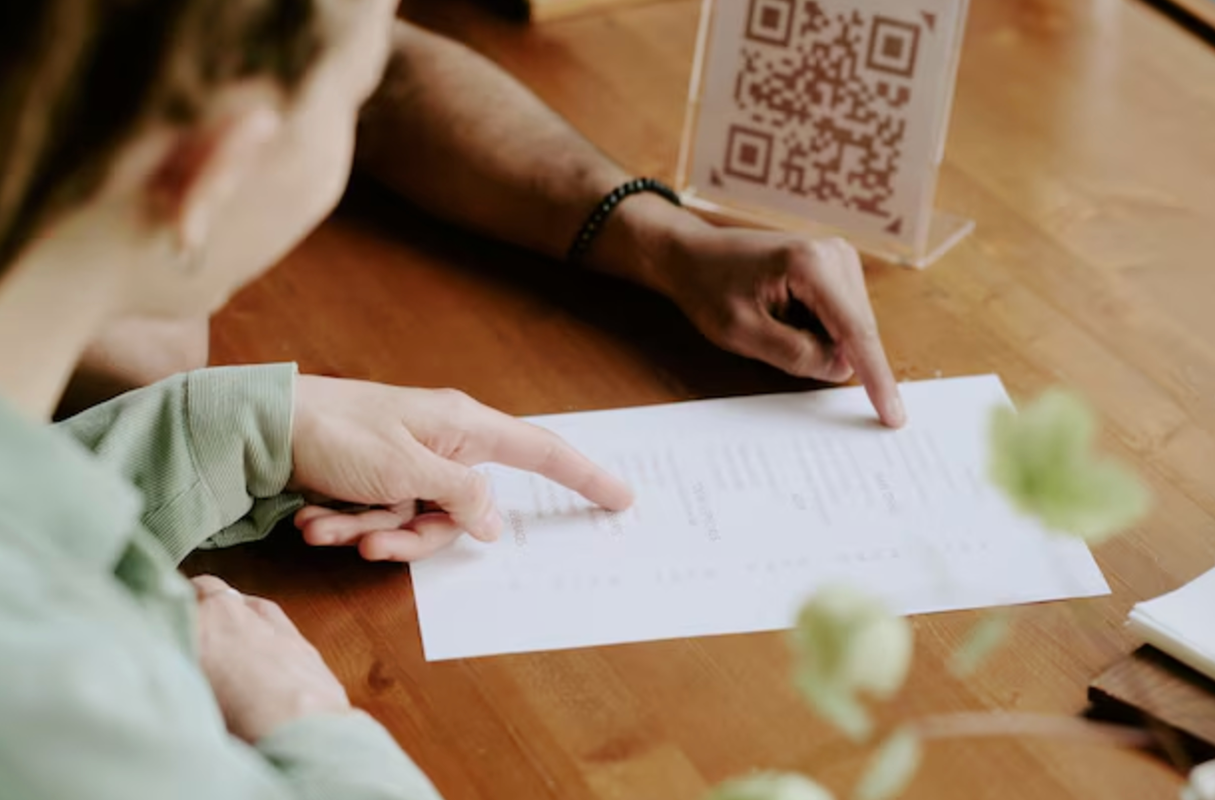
[844, 308]
[522, 445]
[868, 358]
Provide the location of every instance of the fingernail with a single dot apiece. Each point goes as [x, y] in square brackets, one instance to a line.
[897, 413]
[321, 538]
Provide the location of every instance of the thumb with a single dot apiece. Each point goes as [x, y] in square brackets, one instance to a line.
[461, 492]
[796, 351]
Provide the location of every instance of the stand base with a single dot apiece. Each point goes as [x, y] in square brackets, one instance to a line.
[945, 231]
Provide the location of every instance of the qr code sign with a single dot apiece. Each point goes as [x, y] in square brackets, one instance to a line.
[828, 109]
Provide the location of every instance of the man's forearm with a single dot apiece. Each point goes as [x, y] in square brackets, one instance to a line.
[458, 136]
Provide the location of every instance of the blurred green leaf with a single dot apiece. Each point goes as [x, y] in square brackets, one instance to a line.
[770, 786]
[987, 634]
[836, 706]
[1042, 459]
[848, 645]
[892, 768]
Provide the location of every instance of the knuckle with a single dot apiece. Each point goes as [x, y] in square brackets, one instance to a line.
[798, 247]
[550, 451]
[798, 253]
[731, 324]
[864, 335]
[836, 253]
[472, 485]
[455, 402]
[453, 396]
[459, 408]
[815, 261]
[263, 604]
[273, 613]
[209, 587]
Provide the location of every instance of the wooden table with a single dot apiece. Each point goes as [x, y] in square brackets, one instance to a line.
[1083, 142]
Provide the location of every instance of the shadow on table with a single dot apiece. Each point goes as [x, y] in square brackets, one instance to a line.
[646, 322]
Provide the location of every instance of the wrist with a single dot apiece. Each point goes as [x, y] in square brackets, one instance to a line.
[640, 242]
[301, 424]
[299, 710]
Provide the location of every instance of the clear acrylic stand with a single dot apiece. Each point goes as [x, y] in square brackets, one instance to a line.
[825, 117]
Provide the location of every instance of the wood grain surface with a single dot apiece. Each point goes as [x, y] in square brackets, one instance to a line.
[1082, 144]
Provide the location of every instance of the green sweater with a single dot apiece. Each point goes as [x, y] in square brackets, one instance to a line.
[101, 695]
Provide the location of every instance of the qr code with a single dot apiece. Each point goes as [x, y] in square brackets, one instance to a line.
[828, 104]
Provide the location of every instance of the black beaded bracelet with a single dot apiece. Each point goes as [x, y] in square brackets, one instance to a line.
[594, 223]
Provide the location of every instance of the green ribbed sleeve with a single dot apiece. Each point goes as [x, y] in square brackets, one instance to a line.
[92, 706]
[99, 695]
[210, 451]
[352, 755]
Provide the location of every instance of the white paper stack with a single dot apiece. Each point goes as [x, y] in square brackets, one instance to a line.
[1182, 623]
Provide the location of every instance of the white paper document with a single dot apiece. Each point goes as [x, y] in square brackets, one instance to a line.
[744, 507]
[1182, 623]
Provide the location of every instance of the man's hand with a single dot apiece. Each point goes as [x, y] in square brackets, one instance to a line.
[407, 455]
[800, 305]
[263, 672]
[796, 303]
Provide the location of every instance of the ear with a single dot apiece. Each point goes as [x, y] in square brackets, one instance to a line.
[200, 168]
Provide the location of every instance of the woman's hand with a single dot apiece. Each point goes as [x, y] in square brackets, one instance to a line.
[408, 455]
[263, 672]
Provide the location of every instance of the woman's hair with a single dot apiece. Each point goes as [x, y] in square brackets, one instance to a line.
[79, 77]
